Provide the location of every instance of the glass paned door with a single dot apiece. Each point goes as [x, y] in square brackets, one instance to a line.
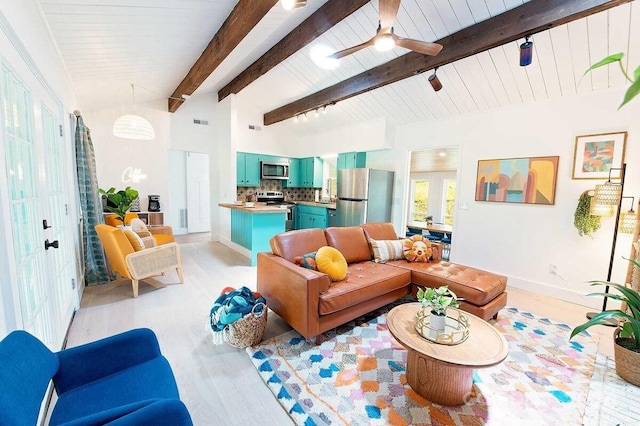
[35, 172]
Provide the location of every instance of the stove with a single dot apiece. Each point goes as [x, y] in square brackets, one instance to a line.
[276, 198]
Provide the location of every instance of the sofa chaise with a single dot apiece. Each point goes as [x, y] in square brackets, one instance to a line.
[311, 303]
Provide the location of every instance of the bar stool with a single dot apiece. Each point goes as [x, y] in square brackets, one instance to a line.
[446, 246]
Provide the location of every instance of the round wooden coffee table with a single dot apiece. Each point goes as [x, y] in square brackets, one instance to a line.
[444, 373]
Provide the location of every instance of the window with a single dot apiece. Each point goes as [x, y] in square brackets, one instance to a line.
[419, 200]
[448, 201]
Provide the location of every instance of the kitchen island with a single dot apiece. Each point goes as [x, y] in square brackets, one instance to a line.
[253, 227]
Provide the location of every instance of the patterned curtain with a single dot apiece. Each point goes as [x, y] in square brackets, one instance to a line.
[96, 270]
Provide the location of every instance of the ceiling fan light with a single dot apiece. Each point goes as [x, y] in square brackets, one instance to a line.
[384, 42]
[292, 4]
[130, 126]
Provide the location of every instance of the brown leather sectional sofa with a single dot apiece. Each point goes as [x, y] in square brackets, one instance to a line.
[310, 303]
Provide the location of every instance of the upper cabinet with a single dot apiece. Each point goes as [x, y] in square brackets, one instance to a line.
[248, 169]
[294, 174]
[311, 172]
[351, 160]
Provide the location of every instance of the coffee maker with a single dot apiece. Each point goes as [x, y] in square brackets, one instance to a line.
[154, 203]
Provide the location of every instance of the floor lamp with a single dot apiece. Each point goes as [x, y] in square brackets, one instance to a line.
[605, 199]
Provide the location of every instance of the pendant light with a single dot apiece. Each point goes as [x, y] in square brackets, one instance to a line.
[132, 126]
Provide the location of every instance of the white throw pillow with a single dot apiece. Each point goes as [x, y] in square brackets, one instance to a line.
[385, 250]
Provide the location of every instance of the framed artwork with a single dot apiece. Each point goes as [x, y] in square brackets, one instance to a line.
[595, 155]
[529, 180]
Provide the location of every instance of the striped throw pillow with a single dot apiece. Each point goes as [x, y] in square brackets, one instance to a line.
[385, 250]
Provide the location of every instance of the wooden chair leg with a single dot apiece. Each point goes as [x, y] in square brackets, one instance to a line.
[134, 284]
[179, 271]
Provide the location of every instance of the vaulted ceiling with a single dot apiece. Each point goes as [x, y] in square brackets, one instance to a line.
[108, 44]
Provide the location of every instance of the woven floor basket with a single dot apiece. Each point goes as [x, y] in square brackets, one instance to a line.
[627, 362]
[248, 330]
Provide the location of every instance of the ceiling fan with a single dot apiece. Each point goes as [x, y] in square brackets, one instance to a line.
[385, 38]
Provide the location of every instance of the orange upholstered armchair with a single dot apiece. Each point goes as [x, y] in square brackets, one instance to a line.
[138, 265]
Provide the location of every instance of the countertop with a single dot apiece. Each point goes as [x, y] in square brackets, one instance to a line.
[260, 208]
[314, 204]
[263, 208]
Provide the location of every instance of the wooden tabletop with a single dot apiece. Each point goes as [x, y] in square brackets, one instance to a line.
[438, 227]
[484, 347]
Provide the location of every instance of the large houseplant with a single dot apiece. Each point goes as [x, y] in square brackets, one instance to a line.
[634, 89]
[627, 334]
[121, 199]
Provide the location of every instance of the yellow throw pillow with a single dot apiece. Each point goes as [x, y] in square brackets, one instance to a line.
[331, 262]
[417, 249]
[134, 239]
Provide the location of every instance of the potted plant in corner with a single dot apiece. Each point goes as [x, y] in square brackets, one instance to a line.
[429, 220]
[438, 300]
[627, 334]
[122, 200]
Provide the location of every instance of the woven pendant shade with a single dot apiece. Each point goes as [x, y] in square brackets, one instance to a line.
[607, 194]
[131, 126]
[601, 210]
[627, 224]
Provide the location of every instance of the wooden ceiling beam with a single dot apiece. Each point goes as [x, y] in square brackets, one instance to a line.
[530, 18]
[322, 20]
[244, 16]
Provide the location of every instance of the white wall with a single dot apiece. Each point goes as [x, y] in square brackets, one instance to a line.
[520, 240]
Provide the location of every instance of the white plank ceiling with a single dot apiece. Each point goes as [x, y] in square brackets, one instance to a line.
[108, 44]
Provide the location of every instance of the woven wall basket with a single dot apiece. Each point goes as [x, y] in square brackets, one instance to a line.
[627, 361]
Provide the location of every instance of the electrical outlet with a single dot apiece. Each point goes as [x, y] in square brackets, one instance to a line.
[553, 268]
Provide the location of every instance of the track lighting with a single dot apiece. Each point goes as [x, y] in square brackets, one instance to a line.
[295, 119]
[292, 4]
[304, 117]
[435, 81]
[526, 52]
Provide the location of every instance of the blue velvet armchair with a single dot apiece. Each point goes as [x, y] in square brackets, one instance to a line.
[119, 380]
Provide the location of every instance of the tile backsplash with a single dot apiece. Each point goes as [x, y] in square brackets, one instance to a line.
[294, 194]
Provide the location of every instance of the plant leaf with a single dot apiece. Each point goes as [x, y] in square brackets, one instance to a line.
[636, 74]
[633, 90]
[606, 61]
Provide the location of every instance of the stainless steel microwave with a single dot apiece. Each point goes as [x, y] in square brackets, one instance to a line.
[274, 170]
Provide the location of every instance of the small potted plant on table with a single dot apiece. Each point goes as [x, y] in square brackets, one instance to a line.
[438, 300]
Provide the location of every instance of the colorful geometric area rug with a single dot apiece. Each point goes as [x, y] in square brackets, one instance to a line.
[358, 377]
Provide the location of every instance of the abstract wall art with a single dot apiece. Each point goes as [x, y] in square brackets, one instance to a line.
[529, 180]
[596, 155]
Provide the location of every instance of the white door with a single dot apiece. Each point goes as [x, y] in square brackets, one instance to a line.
[198, 209]
[41, 279]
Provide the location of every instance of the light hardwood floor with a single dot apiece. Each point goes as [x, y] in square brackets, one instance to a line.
[218, 383]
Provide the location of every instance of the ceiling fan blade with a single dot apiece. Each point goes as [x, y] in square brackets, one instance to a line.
[353, 49]
[424, 47]
[388, 12]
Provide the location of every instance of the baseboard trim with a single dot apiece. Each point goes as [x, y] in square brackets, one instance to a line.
[557, 293]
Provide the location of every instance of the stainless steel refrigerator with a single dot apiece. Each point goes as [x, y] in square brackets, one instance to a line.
[364, 196]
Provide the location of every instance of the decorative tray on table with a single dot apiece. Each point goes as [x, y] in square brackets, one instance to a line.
[456, 328]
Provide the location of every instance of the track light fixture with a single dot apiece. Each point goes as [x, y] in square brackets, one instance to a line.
[435, 81]
[292, 4]
[526, 52]
[304, 117]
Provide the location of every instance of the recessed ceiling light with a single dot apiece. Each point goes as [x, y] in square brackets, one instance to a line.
[442, 154]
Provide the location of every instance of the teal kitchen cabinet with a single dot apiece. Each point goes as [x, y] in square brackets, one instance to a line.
[351, 160]
[294, 174]
[254, 230]
[247, 169]
[311, 172]
[311, 217]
